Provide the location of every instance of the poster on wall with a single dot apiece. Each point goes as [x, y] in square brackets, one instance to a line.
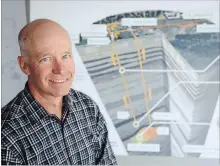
[154, 73]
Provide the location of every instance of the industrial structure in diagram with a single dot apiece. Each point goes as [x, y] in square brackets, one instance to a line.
[157, 74]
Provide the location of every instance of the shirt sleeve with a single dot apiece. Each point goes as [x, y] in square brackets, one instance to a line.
[9, 157]
[106, 155]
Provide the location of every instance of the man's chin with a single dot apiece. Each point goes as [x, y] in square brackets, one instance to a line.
[60, 92]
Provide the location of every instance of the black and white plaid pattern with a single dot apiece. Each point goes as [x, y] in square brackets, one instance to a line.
[31, 136]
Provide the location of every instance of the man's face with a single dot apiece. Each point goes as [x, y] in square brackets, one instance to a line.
[51, 64]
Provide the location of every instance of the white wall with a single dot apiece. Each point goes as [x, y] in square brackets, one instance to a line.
[13, 19]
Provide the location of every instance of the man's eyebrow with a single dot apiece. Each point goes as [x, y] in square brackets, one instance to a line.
[40, 55]
[67, 52]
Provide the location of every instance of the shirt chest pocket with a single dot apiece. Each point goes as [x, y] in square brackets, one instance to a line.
[92, 145]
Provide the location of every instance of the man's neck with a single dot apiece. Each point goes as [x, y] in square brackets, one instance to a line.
[53, 105]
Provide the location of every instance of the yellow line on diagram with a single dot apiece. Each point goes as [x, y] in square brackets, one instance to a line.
[123, 78]
[142, 74]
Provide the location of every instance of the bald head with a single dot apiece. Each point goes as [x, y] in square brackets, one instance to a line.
[49, 50]
[33, 33]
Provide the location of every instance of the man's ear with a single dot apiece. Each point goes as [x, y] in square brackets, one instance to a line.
[23, 65]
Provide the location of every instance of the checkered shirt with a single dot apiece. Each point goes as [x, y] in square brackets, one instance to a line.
[31, 136]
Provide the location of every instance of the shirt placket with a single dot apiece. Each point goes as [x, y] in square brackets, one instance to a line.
[69, 139]
[59, 122]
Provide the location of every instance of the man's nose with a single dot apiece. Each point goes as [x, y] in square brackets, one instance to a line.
[58, 67]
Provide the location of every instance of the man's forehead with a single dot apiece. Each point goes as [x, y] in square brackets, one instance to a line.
[50, 44]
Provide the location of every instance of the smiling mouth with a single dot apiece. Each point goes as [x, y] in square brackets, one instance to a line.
[59, 80]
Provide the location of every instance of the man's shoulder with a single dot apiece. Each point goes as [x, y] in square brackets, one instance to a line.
[10, 110]
[82, 99]
[10, 121]
[80, 96]
[88, 108]
[76, 94]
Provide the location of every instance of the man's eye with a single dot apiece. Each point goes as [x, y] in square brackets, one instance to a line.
[66, 56]
[45, 59]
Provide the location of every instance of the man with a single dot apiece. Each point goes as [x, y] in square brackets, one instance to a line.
[48, 123]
